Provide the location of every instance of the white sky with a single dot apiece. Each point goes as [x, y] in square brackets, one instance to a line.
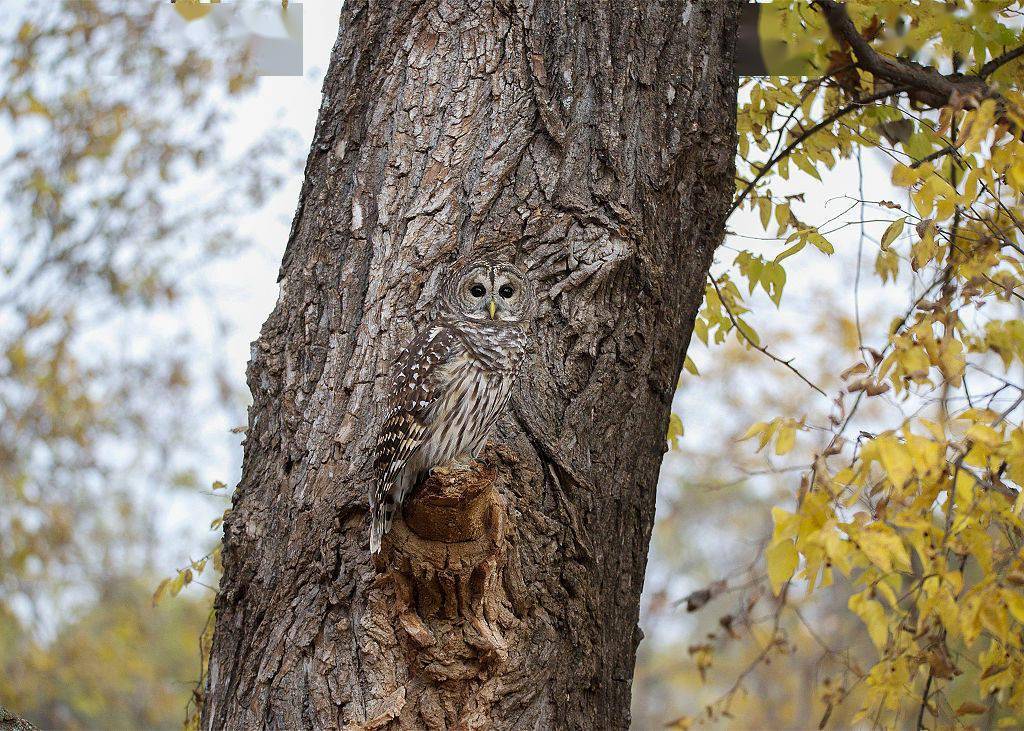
[245, 285]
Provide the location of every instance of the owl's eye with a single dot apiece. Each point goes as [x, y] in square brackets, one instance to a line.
[478, 290]
[507, 290]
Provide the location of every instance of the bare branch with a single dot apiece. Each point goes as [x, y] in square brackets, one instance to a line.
[787, 363]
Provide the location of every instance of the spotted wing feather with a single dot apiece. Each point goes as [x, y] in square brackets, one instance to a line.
[415, 389]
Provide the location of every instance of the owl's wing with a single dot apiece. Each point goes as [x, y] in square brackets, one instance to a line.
[415, 389]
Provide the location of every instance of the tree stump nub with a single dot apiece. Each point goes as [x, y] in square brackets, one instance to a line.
[453, 504]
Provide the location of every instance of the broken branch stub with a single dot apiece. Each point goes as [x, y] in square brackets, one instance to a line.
[451, 506]
[445, 558]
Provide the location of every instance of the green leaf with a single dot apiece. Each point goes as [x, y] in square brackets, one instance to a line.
[160, 589]
[765, 209]
[773, 279]
[806, 165]
[820, 243]
[794, 249]
[746, 332]
[675, 428]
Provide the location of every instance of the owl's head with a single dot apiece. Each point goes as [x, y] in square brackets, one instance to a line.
[489, 292]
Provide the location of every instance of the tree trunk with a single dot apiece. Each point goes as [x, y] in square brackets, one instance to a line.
[591, 143]
[10, 722]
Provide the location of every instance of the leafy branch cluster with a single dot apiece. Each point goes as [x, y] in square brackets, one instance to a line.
[915, 515]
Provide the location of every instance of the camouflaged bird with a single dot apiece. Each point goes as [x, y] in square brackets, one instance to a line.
[450, 384]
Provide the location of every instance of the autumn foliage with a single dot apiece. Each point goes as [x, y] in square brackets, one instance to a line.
[915, 512]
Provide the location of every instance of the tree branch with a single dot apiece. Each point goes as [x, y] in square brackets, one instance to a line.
[777, 359]
[992, 66]
[927, 86]
[924, 700]
[841, 112]
[933, 156]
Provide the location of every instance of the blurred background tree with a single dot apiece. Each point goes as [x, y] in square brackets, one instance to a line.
[119, 193]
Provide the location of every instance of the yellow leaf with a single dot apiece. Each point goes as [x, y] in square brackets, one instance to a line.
[924, 200]
[883, 547]
[785, 441]
[781, 559]
[872, 614]
[993, 618]
[782, 214]
[1015, 175]
[675, 428]
[765, 209]
[838, 551]
[970, 620]
[903, 176]
[934, 428]
[786, 524]
[754, 430]
[1015, 603]
[177, 584]
[192, 9]
[884, 588]
[984, 434]
[160, 589]
[948, 611]
[820, 242]
[892, 231]
[895, 460]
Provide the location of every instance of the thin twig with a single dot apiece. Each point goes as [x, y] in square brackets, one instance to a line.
[735, 324]
[864, 101]
[992, 66]
[934, 156]
[924, 700]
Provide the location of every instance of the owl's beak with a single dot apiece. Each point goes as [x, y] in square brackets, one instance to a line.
[493, 308]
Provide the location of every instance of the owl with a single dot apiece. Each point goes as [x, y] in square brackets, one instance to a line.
[450, 384]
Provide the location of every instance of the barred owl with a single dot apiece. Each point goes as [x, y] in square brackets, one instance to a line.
[450, 384]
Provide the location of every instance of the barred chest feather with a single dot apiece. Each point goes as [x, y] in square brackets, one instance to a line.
[478, 385]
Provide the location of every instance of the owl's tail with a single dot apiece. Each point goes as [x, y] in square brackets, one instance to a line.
[380, 522]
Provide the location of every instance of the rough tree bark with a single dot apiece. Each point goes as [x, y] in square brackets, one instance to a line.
[593, 144]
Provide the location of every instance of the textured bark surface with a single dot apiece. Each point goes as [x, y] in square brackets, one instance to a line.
[591, 143]
[10, 722]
